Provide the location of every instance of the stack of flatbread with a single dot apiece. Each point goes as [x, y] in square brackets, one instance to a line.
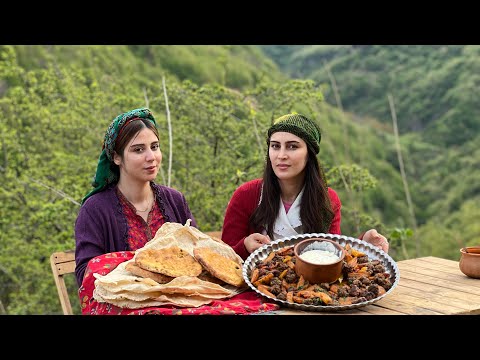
[180, 266]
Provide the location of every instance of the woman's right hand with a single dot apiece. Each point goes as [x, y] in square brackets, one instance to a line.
[253, 241]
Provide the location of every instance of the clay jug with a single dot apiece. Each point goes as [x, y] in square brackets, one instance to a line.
[470, 261]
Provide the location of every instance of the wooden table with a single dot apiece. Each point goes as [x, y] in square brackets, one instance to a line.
[427, 286]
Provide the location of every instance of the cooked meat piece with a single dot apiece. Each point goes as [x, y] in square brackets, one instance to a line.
[291, 276]
[362, 259]
[262, 272]
[373, 288]
[325, 286]
[359, 300]
[308, 301]
[365, 280]
[354, 291]
[276, 289]
[342, 291]
[347, 269]
[276, 281]
[379, 269]
[387, 284]
[357, 282]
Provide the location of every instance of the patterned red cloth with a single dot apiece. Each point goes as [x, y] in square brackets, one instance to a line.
[248, 302]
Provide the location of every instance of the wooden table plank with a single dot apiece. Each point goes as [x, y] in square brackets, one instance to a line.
[436, 260]
[439, 299]
[450, 267]
[441, 266]
[427, 303]
[453, 274]
[449, 281]
[405, 308]
[291, 311]
[455, 295]
[366, 310]
[458, 286]
[380, 310]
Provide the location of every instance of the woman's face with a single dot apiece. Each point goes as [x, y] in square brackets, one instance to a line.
[288, 154]
[141, 158]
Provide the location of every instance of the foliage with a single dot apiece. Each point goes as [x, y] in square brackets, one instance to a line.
[434, 86]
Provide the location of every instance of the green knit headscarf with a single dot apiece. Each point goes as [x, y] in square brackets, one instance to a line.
[300, 126]
[104, 174]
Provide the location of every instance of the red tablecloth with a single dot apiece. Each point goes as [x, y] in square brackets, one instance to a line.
[248, 302]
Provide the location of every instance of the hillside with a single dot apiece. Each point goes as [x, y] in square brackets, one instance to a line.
[435, 86]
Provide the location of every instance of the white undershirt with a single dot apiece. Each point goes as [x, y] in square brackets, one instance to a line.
[288, 224]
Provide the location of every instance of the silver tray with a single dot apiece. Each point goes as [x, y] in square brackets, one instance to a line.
[373, 252]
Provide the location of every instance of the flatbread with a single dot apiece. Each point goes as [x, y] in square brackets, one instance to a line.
[219, 266]
[179, 300]
[137, 270]
[194, 286]
[166, 229]
[172, 261]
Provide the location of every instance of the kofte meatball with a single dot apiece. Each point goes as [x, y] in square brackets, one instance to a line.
[362, 259]
[354, 290]
[276, 289]
[291, 276]
[379, 269]
[276, 281]
[342, 291]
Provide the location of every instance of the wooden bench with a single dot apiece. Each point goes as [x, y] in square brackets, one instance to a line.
[63, 262]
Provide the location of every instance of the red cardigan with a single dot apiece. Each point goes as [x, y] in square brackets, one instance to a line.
[243, 203]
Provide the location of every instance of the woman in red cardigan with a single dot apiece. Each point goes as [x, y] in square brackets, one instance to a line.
[292, 198]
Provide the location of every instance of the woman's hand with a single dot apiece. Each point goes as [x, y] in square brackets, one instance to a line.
[253, 241]
[373, 237]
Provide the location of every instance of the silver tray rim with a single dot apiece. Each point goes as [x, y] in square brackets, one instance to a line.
[373, 252]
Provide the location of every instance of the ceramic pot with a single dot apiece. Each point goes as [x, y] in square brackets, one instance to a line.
[470, 261]
[318, 273]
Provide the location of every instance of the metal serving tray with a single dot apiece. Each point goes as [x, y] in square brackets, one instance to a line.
[373, 252]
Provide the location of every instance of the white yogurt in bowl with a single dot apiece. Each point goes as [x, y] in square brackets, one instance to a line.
[320, 257]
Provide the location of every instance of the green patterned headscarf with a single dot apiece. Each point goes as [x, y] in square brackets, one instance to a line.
[300, 126]
[104, 174]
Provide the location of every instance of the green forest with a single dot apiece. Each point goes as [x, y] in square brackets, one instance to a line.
[399, 125]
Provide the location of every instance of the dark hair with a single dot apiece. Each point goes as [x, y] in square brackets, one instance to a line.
[315, 209]
[126, 133]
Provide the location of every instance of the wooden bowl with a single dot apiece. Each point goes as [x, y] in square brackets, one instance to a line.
[317, 273]
[470, 261]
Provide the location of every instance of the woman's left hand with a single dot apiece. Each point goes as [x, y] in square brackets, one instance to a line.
[373, 237]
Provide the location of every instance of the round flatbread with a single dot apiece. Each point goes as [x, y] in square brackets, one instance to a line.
[172, 261]
[219, 266]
